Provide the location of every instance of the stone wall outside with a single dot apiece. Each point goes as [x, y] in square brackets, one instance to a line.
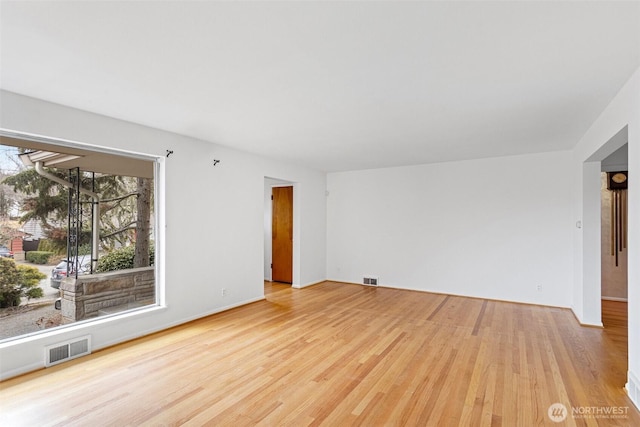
[94, 295]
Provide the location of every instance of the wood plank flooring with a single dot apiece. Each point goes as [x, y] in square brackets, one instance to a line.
[342, 355]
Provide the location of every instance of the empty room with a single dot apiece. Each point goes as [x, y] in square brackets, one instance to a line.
[336, 213]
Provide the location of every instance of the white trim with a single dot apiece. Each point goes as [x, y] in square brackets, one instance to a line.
[308, 284]
[78, 326]
[580, 321]
[159, 188]
[633, 389]
[140, 334]
[614, 299]
[615, 168]
[462, 295]
[120, 339]
[20, 371]
[10, 133]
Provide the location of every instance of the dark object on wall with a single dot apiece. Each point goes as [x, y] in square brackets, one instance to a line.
[617, 184]
[617, 180]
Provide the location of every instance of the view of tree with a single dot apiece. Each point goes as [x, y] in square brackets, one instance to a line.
[143, 224]
[44, 200]
[118, 211]
[9, 204]
[9, 199]
[125, 208]
[6, 203]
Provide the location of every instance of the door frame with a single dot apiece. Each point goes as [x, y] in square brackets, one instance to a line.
[269, 183]
[605, 168]
[591, 292]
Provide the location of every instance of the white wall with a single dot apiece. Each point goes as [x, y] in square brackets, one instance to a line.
[619, 159]
[622, 115]
[493, 228]
[225, 204]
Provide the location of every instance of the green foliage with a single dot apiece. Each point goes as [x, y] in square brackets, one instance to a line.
[28, 280]
[121, 259]
[84, 249]
[57, 241]
[53, 246]
[57, 236]
[9, 294]
[35, 292]
[47, 201]
[38, 257]
[125, 208]
[44, 197]
[6, 201]
[17, 281]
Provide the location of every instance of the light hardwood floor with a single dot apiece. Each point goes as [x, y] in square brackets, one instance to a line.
[342, 355]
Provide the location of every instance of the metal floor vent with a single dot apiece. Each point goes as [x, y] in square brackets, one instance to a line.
[61, 352]
[371, 281]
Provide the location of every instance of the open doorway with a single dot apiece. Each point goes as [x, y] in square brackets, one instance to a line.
[603, 294]
[613, 264]
[614, 226]
[279, 230]
[591, 225]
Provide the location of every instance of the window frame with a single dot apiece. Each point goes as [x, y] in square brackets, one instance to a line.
[158, 163]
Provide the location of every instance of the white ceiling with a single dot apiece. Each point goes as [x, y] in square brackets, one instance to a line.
[332, 85]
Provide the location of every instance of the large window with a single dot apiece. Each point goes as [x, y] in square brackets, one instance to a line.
[77, 234]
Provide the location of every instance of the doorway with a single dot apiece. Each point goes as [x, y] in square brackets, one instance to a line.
[279, 259]
[614, 279]
[604, 244]
[591, 228]
[614, 282]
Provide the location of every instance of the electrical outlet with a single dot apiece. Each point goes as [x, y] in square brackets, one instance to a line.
[539, 288]
[224, 292]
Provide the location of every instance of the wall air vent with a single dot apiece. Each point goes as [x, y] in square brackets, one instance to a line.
[71, 349]
[370, 281]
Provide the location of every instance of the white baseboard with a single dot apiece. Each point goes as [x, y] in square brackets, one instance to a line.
[142, 333]
[308, 284]
[582, 323]
[21, 371]
[633, 388]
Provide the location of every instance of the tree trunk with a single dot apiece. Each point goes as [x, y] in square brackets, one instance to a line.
[143, 223]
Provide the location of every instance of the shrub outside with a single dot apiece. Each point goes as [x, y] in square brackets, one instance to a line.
[38, 257]
[121, 259]
[17, 281]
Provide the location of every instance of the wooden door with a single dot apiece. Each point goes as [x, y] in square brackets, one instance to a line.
[282, 234]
